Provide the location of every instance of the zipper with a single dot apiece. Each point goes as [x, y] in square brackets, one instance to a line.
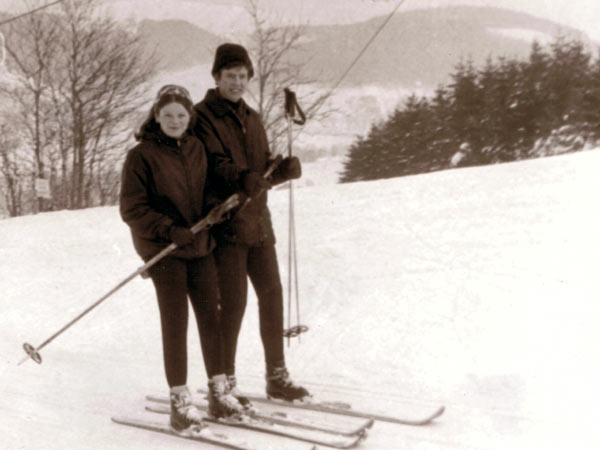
[240, 122]
[187, 179]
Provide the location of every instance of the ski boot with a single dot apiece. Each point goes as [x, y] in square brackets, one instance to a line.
[221, 404]
[241, 398]
[184, 415]
[280, 386]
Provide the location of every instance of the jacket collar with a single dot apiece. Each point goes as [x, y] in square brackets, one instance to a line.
[219, 106]
[161, 138]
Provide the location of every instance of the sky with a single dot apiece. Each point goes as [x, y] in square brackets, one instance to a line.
[581, 14]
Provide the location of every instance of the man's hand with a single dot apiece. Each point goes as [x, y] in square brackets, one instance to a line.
[290, 168]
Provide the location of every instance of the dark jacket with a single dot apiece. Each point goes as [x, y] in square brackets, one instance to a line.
[162, 185]
[236, 143]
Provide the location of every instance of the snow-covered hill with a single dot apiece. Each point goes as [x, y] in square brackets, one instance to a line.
[474, 288]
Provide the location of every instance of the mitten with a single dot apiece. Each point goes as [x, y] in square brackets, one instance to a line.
[290, 168]
[181, 236]
[253, 183]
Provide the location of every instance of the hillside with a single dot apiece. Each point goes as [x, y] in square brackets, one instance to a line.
[474, 288]
[417, 49]
[422, 47]
[178, 44]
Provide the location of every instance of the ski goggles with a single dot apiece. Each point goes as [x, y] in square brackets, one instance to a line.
[173, 89]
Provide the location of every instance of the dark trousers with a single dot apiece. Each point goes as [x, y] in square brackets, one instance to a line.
[175, 280]
[235, 263]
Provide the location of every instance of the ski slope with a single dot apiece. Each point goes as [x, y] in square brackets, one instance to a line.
[474, 288]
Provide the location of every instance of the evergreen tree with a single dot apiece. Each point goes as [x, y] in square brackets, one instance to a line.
[467, 105]
[567, 76]
[444, 141]
[507, 110]
[590, 107]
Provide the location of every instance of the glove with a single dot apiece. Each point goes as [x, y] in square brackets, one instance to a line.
[181, 236]
[253, 183]
[290, 168]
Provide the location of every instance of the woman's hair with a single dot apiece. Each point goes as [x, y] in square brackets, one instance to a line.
[170, 93]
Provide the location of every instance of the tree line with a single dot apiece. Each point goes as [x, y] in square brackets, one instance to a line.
[507, 110]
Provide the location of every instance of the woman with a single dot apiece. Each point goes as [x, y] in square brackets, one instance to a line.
[162, 196]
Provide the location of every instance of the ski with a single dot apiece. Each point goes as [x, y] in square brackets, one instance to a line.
[286, 419]
[345, 409]
[251, 423]
[205, 434]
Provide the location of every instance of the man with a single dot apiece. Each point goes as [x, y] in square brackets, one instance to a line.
[239, 156]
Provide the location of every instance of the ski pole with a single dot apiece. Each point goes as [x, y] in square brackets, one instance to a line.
[291, 107]
[214, 216]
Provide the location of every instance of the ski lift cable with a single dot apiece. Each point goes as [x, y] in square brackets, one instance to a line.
[356, 59]
[27, 13]
[291, 106]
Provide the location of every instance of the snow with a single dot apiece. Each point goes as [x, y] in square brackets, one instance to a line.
[474, 288]
[524, 34]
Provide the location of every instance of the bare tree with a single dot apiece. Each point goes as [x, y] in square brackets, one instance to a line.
[81, 80]
[278, 61]
[12, 173]
[106, 75]
[31, 47]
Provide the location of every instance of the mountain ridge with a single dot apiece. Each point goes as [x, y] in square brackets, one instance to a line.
[433, 42]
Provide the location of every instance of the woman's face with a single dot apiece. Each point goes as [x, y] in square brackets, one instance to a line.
[173, 119]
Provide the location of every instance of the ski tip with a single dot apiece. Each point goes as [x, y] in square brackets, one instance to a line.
[357, 439]
[119, 420]
[434, 416]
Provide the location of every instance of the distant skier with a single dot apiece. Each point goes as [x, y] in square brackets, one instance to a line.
[239, 155]
[162, 195]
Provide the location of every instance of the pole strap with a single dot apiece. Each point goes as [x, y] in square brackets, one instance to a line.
[292, 107]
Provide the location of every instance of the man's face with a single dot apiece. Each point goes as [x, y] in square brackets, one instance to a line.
[232, 83]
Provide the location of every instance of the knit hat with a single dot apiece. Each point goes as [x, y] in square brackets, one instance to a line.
[227, 54]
